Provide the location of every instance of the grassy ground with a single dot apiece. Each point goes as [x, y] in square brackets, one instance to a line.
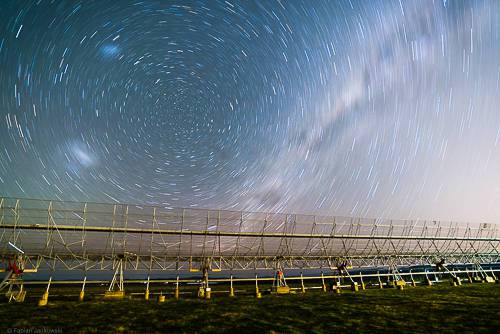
[469, 308]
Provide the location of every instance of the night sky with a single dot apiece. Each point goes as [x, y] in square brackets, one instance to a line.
[361, 108]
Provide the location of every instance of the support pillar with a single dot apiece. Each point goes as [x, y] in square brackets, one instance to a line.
[323, 282]
[495, 279]
[45, 297]
[413, 283]
[82, 292]
[337, 287]
[427, 279]
[177, 288]
[258, 294]
[303, 288]
[456, 281]
[15, 287]
[16, 291]
[363, 286]
[146, 294]
[231, 289]
[116, 282]
[469, 277]
[205, 291]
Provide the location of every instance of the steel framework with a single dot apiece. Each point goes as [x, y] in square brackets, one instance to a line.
[56, 235]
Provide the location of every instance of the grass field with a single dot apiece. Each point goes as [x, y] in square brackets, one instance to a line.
[437, 309]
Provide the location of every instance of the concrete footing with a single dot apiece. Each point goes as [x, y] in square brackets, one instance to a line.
[114, 295]
[44, 300]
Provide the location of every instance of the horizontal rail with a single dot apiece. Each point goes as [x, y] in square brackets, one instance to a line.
[128, 255]
[237, 234]
[263, 278]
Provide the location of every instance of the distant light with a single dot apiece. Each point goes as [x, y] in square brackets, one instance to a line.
[82, 154]
[110, 50]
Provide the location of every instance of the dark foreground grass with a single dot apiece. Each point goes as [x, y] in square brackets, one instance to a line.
[438, 309]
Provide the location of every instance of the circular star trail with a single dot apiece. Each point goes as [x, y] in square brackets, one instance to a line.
[362, 108]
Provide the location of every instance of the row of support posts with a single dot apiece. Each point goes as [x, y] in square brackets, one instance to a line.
[116, 287]
[204, 291]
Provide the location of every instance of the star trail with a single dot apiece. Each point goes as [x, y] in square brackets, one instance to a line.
[360, 108]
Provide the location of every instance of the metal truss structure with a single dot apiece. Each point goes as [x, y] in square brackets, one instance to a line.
[55, 235]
